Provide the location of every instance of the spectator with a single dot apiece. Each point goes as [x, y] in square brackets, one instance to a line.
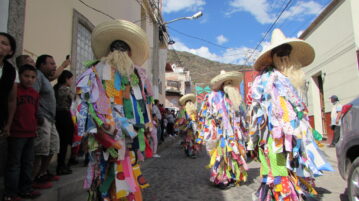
[157, 112]
[170, 123]
[47, 142]
[335, 119]
[153, 131]
[18, 178]
[7, 83]
[64, 123]
[24, 59]
[59, 70]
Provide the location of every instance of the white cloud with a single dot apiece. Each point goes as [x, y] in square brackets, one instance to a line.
[266, 13]
[221, 39]
[170, 6]
[230, 55]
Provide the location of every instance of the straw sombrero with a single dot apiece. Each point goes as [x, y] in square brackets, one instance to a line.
[217, 81]
[107, 32]
[186, 98]
[301, 50]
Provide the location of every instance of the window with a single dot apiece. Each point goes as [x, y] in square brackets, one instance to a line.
[81, 49]
[84, 50]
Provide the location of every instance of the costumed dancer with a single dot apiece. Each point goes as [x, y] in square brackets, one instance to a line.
[112, 108]
[279, 125]
[189, 126]
[222, 130]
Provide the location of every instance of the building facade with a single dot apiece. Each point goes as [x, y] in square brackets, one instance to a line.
[334, 71]
[178, 83]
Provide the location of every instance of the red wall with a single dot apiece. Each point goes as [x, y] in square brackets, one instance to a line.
[248, 78]
[329, 136]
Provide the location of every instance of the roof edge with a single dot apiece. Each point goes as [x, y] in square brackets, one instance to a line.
[333, 5]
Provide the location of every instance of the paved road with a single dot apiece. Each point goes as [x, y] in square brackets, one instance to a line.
[175, 177]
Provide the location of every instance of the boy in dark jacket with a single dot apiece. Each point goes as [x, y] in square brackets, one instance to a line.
[18, 177]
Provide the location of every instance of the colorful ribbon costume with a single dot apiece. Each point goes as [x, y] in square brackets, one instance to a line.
[280, 131]
[222, 131]
[111, 110]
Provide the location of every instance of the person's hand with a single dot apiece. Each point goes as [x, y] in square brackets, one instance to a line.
[66, 63]
[6, 131]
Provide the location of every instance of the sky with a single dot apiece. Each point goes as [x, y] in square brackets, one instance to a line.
[230, 30]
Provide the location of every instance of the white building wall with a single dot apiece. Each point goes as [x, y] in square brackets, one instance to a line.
[334, 43]
[48, 23]
[4, 15]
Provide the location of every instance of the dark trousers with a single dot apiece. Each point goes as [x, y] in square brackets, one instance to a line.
[170, 128]
[65, 128]
[336, 136]
[20, 160]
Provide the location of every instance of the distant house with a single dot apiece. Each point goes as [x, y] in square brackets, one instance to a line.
[178, 83]
[334, 34]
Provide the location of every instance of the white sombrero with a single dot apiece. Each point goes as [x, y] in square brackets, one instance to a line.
[235, 76]
[301, 50]
[107, 32]
[187, 97]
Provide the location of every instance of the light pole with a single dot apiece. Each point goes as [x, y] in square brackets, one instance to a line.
[158, 73]
[195, 16]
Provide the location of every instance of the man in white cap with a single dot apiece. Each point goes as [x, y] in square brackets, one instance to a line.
[112, 109]
[222, 130]
[188, 124]
[335, 116]
[279, 125]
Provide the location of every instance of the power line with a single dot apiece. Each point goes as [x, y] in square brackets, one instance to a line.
[195, 37]
[97, 10]
[269, 29]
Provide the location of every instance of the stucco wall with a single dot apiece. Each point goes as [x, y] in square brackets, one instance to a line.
[48, 23]
[335, 48]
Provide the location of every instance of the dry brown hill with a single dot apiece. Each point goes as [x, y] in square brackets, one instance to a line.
[201, 70]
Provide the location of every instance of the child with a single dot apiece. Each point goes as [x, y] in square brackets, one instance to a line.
[154, 136]
[21, 139]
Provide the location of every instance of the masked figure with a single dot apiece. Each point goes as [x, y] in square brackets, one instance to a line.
[222, 130]
[188, 125]
[112, 109]
[279, 125]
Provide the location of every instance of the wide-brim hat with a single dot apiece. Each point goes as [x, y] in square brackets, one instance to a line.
[187, 97]
[107, 32]
[217, 81]
[302, 51]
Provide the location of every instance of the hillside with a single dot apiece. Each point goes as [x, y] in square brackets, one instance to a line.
[202, 70]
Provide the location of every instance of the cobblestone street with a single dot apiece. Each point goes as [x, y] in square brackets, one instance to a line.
[176, 177]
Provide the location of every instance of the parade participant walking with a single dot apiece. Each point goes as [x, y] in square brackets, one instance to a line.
[279, 124]
[222, 124]
[189, 128]
[113, 108]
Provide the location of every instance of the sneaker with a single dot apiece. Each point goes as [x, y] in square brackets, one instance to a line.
[156, 156]
[42, 185]
[30, 195]
[11, 198]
